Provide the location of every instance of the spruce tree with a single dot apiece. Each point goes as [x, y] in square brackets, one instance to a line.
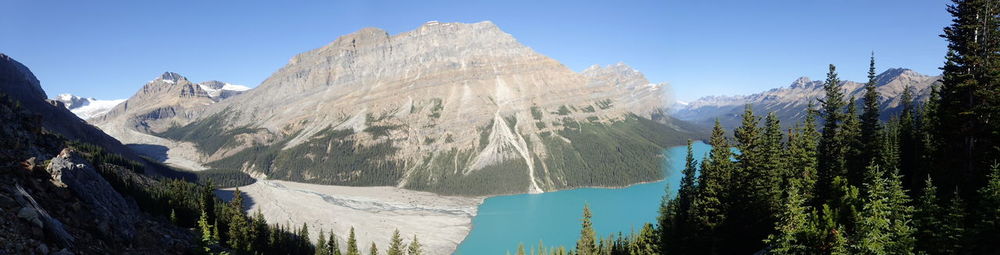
[415, 248]
[332, 246]
[802, 155]
[710, 207]
[321, 244]
[873, 224]
[396, 245]
[988, 228]
[792, 228]
[853, 149]
[969, 109]
[373, 250]
[870, 124]
[901, 229]
[954, 226]
[831, 158]
[352, 244]
[774, 171]
[927, 219]
[586, 244]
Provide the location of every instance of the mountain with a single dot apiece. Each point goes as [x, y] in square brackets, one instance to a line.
[60, 181]
[789, 103]
[168, 100]
[87, 108]
[450, 108]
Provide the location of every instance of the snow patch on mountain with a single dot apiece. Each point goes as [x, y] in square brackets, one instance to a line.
[87, 108]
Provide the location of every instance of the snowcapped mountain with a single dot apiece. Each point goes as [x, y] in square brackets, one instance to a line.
[87, 108]
[221, 90]
[789, 103]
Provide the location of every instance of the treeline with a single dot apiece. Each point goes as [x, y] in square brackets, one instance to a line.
[925, 182]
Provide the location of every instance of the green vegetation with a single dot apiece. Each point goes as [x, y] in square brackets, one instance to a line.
[605, 104]
[436, 107]
[563, 110]
[857, 187]
[589, 108]
[209, 135]
[536, 113]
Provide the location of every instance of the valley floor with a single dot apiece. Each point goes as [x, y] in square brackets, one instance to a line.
[440, 222]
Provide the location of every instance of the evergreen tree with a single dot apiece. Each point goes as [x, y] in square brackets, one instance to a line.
[321, 244]
[709, 209]
[352, 244]
[873, 224]
[901, 229]
[853, 149]
[792, 230]
[586, 244]
[909, 141]
[830, 156]
[988, 228]
[520, 249]
[687, 191]
[774, 171]
[969, 109]
[927, 219]
[954, 226]
[373, 250]
[415, 248]
[332, 246]
[802, 158]
[396, 245]
[870, 124]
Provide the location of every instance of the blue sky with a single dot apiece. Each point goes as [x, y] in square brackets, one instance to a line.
[109, 49]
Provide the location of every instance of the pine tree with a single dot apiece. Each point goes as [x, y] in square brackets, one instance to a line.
[927, 219]
[352, 244]
[373, 250]
[586, 244]
[396, 245]
[870, 124]
[686, 193]
[520, 249]
[909, 141]
[831, 158]
[415, 248]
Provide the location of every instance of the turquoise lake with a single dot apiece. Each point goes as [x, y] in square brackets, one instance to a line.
[554, 218]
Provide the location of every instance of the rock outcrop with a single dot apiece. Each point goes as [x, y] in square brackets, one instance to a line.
[114, 214]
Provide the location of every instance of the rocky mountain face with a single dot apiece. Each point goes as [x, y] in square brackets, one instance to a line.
[169, 100]
[789, 103]
[53, 200]
[449, 107]
[86, 108]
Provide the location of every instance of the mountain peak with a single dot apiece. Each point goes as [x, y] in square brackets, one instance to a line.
[171, 77]
[801, 82]
[896, 73]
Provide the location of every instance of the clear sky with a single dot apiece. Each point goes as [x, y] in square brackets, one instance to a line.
[109, 49]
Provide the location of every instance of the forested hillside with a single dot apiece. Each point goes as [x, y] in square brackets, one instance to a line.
[925, 182]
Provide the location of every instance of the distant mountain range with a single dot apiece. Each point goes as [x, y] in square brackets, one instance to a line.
[789, 103]
[451, 108]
